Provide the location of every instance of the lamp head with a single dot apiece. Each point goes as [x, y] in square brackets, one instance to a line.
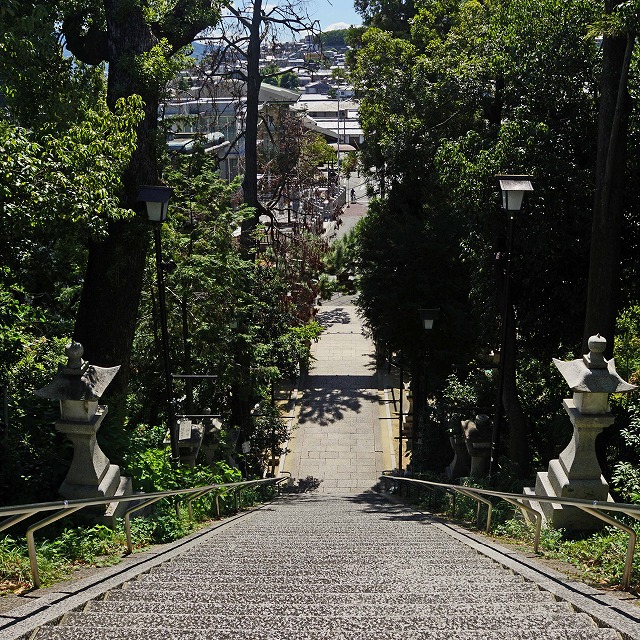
[428, 316]
[157, 201]
[513, 188]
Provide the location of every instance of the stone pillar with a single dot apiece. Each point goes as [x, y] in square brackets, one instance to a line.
[407, 419]
[477, 435]
[212, 428]
[576, 472]
[459, 466]
[78, 386]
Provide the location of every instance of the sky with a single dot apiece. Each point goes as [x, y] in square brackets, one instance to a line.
[333, 14]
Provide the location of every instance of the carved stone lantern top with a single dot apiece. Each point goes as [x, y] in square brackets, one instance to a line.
[592, 379]
[593, 373]
[78, 385]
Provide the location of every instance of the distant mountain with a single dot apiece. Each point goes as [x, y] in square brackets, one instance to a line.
[198, 50]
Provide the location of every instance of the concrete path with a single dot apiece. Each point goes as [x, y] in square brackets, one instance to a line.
[341, 439]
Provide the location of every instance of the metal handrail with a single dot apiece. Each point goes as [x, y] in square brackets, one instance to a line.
[64, 508]
[593, 507]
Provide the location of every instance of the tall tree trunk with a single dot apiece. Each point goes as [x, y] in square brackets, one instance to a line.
[254, 80]
[107, 314]
[604, 265]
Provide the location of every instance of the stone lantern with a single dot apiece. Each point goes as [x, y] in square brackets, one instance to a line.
[459, 466]
[78, 387]
[477, 435]
[576, 472]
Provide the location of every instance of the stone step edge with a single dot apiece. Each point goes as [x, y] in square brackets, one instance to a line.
[107, 633]
[556, 620]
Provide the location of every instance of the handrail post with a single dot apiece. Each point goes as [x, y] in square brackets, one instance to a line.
[631, 545]
[469, 493]
[127, 516]
[195, 496]
[536, 514]
[31, 544]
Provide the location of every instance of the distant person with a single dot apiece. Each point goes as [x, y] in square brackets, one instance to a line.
[353, 195]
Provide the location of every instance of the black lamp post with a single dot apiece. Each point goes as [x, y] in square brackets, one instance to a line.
[427, 317]
[401, 412]
[512, 188]
[157, 201]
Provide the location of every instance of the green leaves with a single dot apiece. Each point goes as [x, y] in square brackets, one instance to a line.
[73, 178]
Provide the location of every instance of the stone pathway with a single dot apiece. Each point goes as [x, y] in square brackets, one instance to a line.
[340, 439]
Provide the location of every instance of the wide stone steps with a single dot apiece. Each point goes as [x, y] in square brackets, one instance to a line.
[159, 633]
[328, 568]
[345, 598]
[231, 608]
[337, 621]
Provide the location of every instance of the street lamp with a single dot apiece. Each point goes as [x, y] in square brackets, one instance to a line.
[157, 201]
[427, 318]
[513, 189]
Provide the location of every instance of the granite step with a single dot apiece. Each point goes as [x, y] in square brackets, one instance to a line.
[340, 621]
[159, 633]
[392, 609]
[505, 596]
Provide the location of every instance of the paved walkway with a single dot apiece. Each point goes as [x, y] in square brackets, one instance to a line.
[341, 439]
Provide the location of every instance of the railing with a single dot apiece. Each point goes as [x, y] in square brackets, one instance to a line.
[521, 501]
[15, 514]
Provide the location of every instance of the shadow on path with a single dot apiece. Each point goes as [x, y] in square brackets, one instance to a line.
[341, 382]
[331, 317]
[325, 406]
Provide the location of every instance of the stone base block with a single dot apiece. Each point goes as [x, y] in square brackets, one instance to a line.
[107, 487]
[116, 509]
[564, 517]
[590, 488]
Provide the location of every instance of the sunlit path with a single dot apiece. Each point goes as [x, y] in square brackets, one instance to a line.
[339, 439]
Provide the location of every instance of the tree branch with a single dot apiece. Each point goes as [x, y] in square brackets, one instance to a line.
[186, 21]
[87, 42]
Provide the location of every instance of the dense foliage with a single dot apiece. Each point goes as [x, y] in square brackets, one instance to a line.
[451, 95]
[76, 138]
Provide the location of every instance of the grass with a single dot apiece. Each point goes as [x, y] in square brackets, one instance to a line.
[598, 557]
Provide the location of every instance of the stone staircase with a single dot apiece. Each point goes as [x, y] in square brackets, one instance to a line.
[328, 566]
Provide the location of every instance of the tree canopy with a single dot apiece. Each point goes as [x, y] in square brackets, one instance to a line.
[451, 95]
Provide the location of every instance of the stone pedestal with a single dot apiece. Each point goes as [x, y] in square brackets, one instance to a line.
[459, 466]
[480, 453]
[407, 419]
[477, 436]
[91, 475]
[575, 473]
[212, 427]
[190, 437]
